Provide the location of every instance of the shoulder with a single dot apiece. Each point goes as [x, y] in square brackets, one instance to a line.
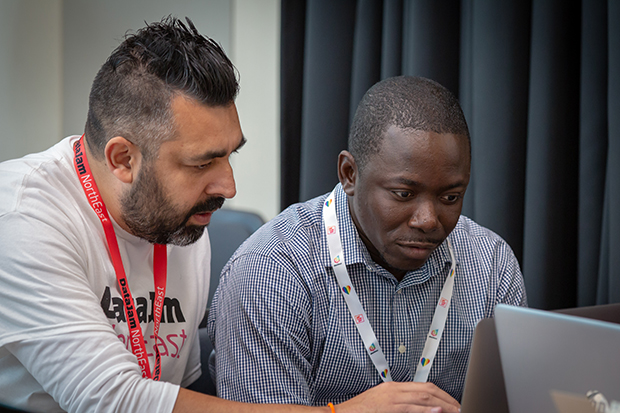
[475, 242]
[472, 233]
[42, 201]
[285, 254]
[295, 231]
[38, 182]
[490, 264]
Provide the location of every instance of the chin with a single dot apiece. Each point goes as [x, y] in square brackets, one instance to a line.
[406, 265]
[189, 235]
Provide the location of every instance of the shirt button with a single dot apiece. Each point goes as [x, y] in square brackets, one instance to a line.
[402, 349]
[399, 292]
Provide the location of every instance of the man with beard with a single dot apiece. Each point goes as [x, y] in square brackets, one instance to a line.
[104, 259]
[381, 280]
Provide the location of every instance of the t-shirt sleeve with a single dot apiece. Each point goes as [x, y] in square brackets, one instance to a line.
[88, 372]
[259, 323]
[43, 286]
[53, 324]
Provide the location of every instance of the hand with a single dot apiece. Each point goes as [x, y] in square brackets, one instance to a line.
[399, 397]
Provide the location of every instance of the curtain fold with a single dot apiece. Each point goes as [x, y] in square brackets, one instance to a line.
[610, 289]
[327, 92]
[431, 32]
[392, 38]
[539, 82]
[499, 67]
[366, 68]
[291, 97]
[593, 132]
[550, 231]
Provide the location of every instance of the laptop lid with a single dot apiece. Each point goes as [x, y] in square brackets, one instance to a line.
[548, 353]
[484, 384]
[605, 312]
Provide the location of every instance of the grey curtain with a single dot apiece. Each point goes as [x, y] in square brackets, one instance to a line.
[539, 82]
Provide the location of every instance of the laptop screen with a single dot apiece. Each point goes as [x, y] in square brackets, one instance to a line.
[545, 353]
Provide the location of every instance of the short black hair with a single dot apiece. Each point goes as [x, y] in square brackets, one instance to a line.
[132, 92]
[407, 102]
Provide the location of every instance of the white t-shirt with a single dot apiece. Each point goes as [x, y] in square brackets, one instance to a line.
[63, 334]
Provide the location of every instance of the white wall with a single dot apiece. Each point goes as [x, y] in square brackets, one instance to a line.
[50, 51]
[92, 29]
[30, 76]
[256, 54]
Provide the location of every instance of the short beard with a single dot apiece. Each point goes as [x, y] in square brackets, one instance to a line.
[150, 215]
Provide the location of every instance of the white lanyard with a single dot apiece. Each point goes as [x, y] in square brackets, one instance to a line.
[438, 324]
[359, 315]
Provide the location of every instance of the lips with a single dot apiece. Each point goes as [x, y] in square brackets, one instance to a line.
[419, 245]
[202, 218]
[201, 213]
[418, 251]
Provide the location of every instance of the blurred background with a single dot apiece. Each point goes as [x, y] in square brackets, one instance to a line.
[538, 80]
[51, 50]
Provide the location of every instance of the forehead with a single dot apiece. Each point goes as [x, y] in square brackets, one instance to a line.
[424, 155]
[201, 129]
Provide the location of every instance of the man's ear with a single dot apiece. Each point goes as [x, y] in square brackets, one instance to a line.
[122, 159]
[347, 172]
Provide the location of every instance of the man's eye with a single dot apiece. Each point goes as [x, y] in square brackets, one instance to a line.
[203, 166]
[403, 194]
[452, 198]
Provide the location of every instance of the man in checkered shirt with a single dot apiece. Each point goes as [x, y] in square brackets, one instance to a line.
[281, 327]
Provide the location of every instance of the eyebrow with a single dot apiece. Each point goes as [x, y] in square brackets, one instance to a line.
[409, 182]
[207, 156]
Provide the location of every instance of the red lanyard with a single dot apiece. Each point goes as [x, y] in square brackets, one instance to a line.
[160, 265]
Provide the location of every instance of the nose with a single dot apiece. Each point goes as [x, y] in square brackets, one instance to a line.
[223, 184]
[424, 216]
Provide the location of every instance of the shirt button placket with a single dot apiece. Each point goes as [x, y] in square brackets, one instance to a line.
[401, 348]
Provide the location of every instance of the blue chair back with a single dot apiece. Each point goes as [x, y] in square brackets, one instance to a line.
[227, 231]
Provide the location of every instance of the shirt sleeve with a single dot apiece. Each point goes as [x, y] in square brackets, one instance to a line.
[53, 325]
[260, 326]
[88, 372]
[511, 288]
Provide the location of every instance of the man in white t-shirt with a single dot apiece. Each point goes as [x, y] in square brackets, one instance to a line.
[104, 259]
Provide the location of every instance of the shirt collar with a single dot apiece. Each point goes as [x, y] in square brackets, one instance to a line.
[353, 247]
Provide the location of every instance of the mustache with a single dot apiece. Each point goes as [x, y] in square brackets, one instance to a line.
[209, 205]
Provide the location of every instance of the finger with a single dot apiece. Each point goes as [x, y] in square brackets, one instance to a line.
[440, 394]
[431, 401]
[427, 394]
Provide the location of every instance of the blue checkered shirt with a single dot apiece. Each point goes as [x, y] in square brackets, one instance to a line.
[282, 330]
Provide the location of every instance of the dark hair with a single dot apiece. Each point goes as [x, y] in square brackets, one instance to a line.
[132, 93]
[407, 102]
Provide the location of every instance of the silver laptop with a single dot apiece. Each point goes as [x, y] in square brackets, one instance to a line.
[549, 359]
[484, 389]
[484, 386]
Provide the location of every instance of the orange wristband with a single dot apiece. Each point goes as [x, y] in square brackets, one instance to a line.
[331, 406]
